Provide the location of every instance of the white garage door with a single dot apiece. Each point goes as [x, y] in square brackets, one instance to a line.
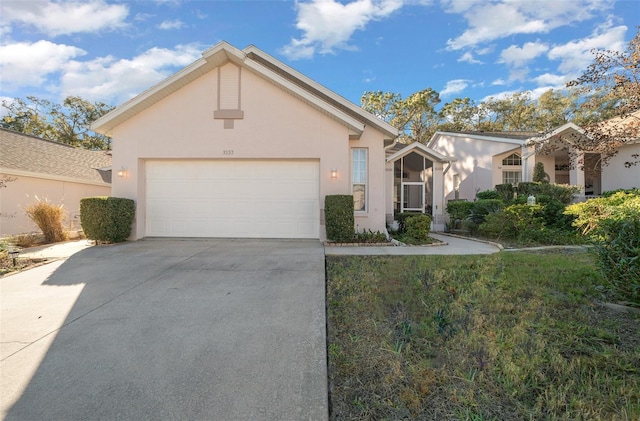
[227, 198]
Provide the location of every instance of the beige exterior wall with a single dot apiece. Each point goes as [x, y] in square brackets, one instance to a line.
[475, 164]
[616, 175]
[276, 125]
[23, 191]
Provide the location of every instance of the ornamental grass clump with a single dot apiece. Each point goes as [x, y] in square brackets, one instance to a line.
[48, 217]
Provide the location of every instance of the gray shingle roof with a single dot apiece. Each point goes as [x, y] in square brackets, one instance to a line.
[32, 154]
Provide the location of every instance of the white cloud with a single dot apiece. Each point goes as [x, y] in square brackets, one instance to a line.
[516, 56]
[468, 58]
[454, 87]
[116, 80]
[29, 64]
[575, 56]
[328, 25]
[63, 18]
[489, 21]
[548, 79]
[171, 24]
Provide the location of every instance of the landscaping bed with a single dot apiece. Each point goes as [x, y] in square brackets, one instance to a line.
[509, 336]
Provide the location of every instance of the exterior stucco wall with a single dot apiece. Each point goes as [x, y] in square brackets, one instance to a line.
[276, 125]
[22, 192]
[616, 175]
[549, 163]
[474, 164]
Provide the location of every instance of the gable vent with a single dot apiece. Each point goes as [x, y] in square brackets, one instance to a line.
[229, 95]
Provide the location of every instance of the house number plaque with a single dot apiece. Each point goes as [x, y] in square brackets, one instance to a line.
[227, 152]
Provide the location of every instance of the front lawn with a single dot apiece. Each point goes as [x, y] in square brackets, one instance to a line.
[508, 336]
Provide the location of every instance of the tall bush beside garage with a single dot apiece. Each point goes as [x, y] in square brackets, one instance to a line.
[338, 216]
[106, 219]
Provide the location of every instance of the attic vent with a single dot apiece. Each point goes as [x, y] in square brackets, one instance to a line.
[228, 95]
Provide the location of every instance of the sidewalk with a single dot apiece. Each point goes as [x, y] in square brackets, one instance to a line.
[450, 245]
[56, 251]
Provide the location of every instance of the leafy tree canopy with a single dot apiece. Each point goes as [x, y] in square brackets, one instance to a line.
[67, 123]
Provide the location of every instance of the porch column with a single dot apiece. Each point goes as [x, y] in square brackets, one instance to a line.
[576, 174]
[439, 215]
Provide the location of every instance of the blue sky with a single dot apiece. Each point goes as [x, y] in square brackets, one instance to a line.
[112, 50]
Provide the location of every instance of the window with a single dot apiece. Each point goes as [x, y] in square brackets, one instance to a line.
[513, 159]
[359, 179]
[511, 177]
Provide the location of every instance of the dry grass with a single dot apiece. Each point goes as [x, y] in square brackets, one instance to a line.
[48, 217]
[510, 336]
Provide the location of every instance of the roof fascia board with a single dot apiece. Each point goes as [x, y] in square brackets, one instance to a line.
[53, 177]
[476, 137]
[382, 125]
[351, 122]
[423, 150]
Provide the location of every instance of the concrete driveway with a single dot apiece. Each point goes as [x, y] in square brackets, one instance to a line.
[168, 329]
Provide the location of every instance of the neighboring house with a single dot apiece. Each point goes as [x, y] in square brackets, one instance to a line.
[238, 144]
[484, 160]
[47, 170]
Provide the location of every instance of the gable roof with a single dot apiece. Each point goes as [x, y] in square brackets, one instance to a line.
[400, 150]
[517, 138]
[32, 156]
[260, 63]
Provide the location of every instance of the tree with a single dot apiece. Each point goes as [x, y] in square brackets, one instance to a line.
[612, 80]
[514, 112]
[67, 123]
[539, 176]
[415, 116]
[459, 115]
[553, 109]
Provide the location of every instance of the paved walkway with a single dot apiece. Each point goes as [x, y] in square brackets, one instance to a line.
[449, 245]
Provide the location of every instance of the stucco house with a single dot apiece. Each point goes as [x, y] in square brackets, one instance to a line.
[238, 144]
[484, 160]
[39, 168]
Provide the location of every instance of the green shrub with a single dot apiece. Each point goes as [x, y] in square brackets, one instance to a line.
[402, 217]
[609, 193]
[553, 213]
[459, 209]
[589, 214]
[505, 191]
[106, 219]
[48, 217]
[619, 253]
[418, 226]
[561, 192]
[526, 188]
[338, 216]
[613, 224]
[481, 208]
[368, 236]
[488, 194]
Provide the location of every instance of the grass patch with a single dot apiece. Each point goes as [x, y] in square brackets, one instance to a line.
[508, 336]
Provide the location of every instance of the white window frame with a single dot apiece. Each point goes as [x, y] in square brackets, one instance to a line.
[362, 179]
[514, 171]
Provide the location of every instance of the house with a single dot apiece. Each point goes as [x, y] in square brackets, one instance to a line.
[32, 168]
[484, 160]
[238, 144]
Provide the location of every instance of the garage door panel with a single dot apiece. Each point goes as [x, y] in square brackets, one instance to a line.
[261, 199]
